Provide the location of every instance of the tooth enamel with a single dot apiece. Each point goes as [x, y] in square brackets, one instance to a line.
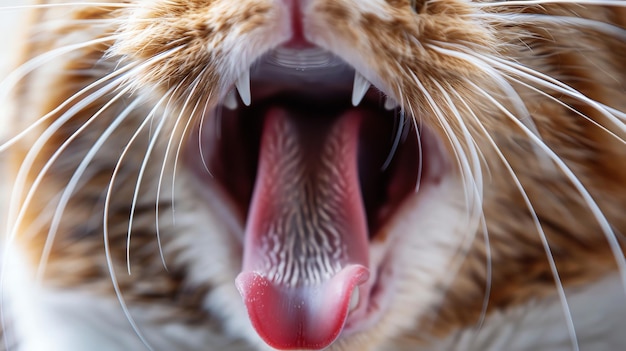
[361, 85]
[391, 104]
[354, 299]
[243, 87]
[230, 101]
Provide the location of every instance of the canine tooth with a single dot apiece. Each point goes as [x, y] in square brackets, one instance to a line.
[230, 101]
[361, 85]
[243, 87]
[391, 104]
[354, 299]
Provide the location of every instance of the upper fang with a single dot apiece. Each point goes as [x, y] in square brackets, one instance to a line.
[243, 87]
[361, 85]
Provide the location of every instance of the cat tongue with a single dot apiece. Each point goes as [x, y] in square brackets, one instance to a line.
[306, 245]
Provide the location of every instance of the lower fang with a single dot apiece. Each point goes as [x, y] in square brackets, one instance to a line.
[230, 101]
[359, 89]
[391, 104]
[354, 299]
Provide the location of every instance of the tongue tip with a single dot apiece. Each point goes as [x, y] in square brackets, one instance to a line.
[309, 317]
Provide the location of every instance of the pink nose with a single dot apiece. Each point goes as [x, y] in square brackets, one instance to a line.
[298, 38]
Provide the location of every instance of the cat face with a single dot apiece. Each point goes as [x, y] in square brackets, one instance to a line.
[318, 174]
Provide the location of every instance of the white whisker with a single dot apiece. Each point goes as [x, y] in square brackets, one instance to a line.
[201, 128]
[9, 83]
[544, 240]
[570, 108]
[496, 77]
[29, 159]
[549, 82]
[172, 92]
[105, 230]
[475, 174]
[40, 144]
[35, 185]
[618, 3]
[569, 174]
[190, 118]
[554, 20]
[68, 4]
[399, 126]
[153, 139]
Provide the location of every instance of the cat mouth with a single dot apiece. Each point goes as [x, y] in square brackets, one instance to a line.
[317, 165]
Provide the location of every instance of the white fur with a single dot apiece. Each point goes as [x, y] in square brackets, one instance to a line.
[597, 310]
[77, 320]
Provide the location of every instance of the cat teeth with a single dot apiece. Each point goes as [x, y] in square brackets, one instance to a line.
[361, 85]
[243, 87]
[354, 299]
[230, 101]
[391, 104]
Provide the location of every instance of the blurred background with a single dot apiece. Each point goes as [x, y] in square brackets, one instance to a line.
[12, 21]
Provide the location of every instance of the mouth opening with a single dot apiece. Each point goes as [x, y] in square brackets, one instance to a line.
[388, 151]
[315, 162]
[388, 155]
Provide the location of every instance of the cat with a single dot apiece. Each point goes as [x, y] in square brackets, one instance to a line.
[316, 174]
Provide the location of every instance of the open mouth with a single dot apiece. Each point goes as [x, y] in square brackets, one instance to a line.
[316, 163]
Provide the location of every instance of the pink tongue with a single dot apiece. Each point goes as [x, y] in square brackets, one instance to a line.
[306, 245]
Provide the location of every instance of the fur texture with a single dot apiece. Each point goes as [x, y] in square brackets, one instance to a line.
[114, 243]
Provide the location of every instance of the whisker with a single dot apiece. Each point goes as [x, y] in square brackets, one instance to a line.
[9, 83]
[507, 3]
[459, 152]
[476, 171]
[399, 122]
[439, 115]
[508, 76]
[549, 82]
[544, 240]
[488, 274]
[105, 225]
[39, 144]
[569, 174]
[76, 177]
[495, 76]
[416, 127]
[469, 141]
[142, 169]
[191, 93]
[471, 173]
[201, 128]
[68, 4]
[172, 93]
[32, 191]
[570, 108]
[554, 20]
[54, 25]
